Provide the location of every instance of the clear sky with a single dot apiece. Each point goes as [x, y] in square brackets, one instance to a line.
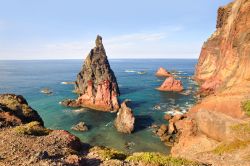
[66, 29]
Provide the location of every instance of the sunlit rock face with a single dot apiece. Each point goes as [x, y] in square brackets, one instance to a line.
[225, 57]
[96, 82]
[224, 64]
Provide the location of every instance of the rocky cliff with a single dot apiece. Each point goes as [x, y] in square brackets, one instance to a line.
[96, 82]
[216, 130]
[224, 64]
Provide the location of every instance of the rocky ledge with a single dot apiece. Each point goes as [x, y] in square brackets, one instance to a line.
[96, 83]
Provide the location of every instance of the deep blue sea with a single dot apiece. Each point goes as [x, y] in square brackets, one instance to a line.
[27, 78]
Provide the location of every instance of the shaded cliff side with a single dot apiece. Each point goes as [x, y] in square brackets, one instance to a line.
[96, 82]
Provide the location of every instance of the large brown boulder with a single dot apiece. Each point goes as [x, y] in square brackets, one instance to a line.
[161, 72]
[171, 84]
[14, 110]
[96, 82]
[125, 119]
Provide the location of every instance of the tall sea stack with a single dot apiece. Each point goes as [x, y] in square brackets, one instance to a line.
[96, 83]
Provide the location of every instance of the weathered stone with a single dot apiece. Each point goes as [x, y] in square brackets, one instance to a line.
[125, 119]
[14, 110]
[96, 82]
[171, 84]
[161, 72]
[80, 127]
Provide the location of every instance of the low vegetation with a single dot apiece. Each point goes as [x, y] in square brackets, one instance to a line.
[246, 107]
[32, 128]
[158, 159]
[230, 147]
[107, 153]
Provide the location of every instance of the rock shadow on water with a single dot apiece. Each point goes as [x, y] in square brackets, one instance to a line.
[142, 122]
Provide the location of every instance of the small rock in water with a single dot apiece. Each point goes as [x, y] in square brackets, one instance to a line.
[157, 107]
[129, 145]
[46, 91]
[80, 127]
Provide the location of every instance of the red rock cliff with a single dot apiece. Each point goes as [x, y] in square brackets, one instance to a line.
[96, 83]
[224, 64]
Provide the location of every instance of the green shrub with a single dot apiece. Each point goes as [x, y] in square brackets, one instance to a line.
[246, 107]
[108, 153]
[32, 128]
[158, 159]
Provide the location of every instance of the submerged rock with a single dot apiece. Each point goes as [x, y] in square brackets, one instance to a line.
[70, 103]
[161, 72]
[46, 91]
[96, 83]
[125, 119]
[171, 84]
[80, 127]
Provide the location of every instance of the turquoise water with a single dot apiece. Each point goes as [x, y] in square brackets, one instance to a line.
[29, 77]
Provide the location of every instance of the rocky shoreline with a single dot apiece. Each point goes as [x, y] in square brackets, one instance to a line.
[27, 142]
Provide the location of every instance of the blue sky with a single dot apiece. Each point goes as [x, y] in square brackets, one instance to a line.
[66, 29]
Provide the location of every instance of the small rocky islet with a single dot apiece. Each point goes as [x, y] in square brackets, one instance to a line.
[216, 131]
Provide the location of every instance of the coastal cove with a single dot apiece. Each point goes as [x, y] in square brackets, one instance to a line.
[136, 81]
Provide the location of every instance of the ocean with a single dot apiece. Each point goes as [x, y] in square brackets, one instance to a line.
[27, 78]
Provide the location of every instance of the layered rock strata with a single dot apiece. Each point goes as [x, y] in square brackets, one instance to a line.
[96, 83]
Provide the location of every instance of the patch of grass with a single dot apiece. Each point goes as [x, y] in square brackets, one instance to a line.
[243, 128]
[246, 107]
[158, 159]
[230, 147]
[108, 153]
[32, 128]
[242, 131]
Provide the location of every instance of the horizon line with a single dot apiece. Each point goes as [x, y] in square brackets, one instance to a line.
[108, 59]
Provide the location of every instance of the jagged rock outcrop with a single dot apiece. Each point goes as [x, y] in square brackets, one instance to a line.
[125, 119]
[224, 64]
[161, 72]
[96, 82]
[14, 110]
[171, 84]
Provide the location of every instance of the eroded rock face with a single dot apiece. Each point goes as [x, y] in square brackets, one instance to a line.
[224, 64]
[223, 74]
[161, 72]
[171, 84]
[224, 60]
[125, 119]
[96, 83]
[14, 110]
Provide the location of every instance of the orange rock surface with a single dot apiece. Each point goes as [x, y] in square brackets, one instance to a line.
[161, 72]
[171, 84]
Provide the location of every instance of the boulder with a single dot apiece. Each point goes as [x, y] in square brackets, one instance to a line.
[171, 84]
[125, 119]
[96, 83]
[161, 72]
